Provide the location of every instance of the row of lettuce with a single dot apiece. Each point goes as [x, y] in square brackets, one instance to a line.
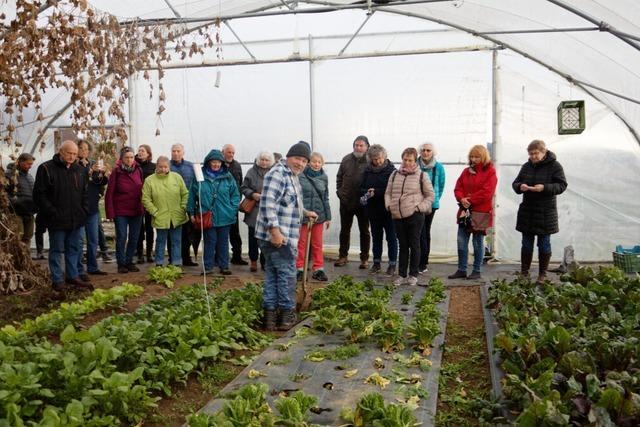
[113, 372]
[571, 351]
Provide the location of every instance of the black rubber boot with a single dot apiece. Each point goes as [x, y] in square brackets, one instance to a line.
[289, 319]
[543, 260]
[525, 262]
[269, 321]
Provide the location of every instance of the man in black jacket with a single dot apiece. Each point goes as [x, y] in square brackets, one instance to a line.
[60, 193]
[228, 151]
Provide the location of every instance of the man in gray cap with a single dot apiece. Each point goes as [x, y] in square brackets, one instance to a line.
[277, 231]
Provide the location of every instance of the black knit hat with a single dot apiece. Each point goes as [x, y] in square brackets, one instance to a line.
[361, 138]
[300, 149]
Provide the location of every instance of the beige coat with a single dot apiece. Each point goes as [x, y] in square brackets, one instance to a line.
[403, 197]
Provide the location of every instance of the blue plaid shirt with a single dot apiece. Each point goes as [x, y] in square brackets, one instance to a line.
[280, 205]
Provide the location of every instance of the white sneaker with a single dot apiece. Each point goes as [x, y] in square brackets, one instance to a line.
[399, 281]
[412, 281]
[423, 271]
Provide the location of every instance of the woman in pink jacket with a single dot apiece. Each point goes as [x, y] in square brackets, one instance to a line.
[409, 196]
[123, 204]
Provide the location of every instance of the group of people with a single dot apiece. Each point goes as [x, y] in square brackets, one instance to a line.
[286, 203]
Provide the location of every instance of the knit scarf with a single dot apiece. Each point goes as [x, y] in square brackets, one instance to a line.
[408, 171]
[128, 169]
[428, 166]
[311, 173]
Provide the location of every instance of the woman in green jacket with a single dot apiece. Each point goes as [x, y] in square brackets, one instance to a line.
[218, 194]
[164, 197]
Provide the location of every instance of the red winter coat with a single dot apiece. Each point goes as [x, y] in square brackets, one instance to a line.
[124, 193]
[479, 188]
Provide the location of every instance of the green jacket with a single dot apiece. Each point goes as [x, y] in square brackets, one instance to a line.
[315, 194]
[165, 198]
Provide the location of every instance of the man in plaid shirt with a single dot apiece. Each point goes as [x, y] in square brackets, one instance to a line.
[277, 231]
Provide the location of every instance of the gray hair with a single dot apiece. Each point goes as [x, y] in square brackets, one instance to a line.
[162, 159]
[266, 154]
[427, 144]
[177, 144]
[377, 150]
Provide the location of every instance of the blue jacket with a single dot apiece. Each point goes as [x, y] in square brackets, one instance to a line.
[185, 169]
[437, 177]
[219, 195]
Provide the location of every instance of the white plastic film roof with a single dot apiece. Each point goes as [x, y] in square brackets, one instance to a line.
[600, 49]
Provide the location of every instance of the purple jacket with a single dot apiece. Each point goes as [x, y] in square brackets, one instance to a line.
[124, 192]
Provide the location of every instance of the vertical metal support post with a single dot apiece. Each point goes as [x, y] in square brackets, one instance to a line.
[495, 155]
[311, 93]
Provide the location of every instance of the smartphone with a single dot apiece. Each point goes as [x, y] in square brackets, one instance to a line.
[101, 163]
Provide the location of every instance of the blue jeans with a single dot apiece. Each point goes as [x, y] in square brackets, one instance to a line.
[279, 288]
[81, 238]
[380, 225]
[67, 243]
[544, 242]
[92, 241]
[126, 226]
[216, 247]
[463, 249]
[176, 244]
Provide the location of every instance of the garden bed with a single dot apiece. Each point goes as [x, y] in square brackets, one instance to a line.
[302, 361]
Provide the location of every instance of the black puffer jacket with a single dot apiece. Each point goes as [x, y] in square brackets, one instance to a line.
[147, 166]
[538, 212]
[60, 192]
[376, 178]
[20, 191]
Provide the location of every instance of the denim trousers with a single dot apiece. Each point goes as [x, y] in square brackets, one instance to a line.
[216, 247]
[383, 225]
[463, 249]
[544, 243]
[176, 242]
[81, 239]
[408, 231]
[425, 240]
[127, 231]
[91, 229]
[67, 243]
[279, 288]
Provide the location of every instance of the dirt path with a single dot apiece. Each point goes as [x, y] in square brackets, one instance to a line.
[464, 376]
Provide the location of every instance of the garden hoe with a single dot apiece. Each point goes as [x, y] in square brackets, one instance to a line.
[306, 263]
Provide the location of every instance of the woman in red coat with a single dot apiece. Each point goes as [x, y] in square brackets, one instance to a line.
[474, 191]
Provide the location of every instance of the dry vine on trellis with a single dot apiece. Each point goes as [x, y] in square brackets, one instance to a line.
[68, 44]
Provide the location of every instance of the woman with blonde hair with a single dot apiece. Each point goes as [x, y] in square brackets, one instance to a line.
[474, 192]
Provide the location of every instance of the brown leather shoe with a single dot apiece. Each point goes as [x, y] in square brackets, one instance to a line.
[59, 287]
[80, 284]
[254, 266]
[364, 264]
[341, 262]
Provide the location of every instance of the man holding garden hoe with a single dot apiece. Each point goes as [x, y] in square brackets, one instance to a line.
[277, 231]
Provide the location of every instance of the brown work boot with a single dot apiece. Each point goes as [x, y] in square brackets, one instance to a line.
[288, 320]
[543, 266]
[364, 264]
[525, 263]
[269, 320]
[254, 266]
[341, 262]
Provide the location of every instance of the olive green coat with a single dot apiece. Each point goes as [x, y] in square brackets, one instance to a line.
[165, 198]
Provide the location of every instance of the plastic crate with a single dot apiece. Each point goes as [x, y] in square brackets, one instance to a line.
[627, 259]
